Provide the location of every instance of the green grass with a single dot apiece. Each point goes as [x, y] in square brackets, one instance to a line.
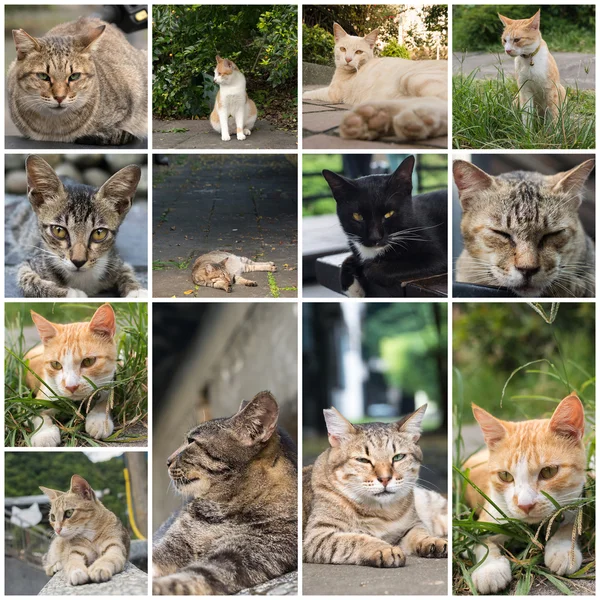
[485, 115]
[525, 547]
[129, 389]
[275, 289]
[163, 265]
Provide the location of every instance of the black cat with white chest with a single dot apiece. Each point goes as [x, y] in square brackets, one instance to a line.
[394, 236]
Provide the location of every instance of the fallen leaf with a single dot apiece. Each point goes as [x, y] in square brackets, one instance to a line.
[188, 292]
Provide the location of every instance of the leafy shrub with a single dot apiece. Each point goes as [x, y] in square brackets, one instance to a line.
[393, 48]
[317, 45]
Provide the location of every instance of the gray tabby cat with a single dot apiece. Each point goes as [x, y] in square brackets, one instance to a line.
[221, 270]
[71, 235]
[81, 82]
[241, 527]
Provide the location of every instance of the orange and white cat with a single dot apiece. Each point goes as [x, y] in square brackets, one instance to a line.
[232, 101]
[392, 96]
[538, 78]
[68, 356]
[522, 461]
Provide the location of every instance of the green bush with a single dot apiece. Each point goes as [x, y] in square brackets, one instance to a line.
[393, 48]
[317, 45]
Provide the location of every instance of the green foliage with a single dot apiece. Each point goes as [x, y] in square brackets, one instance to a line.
[315, 184]
[261, 40]
[317, 45]
[393, 48]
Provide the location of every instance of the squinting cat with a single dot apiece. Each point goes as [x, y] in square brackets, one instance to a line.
[522, 231]
[91, 543]
[522, 462]
[68, 356]
[70, 235]
[394, 236]
[81, 82]
[241, 526]
[537, 73]
[361, 501]
[221, 270]
[232, 101]
[392, 96]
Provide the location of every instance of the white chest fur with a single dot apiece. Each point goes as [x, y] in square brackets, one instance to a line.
[533, 70]
[233, 95]
[88, 281]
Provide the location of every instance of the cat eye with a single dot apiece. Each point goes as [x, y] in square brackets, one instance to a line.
[398, 457]
[362, 460]
[88, 362]
[505, 476]
[389, 214]
[358, 52]
[342, 49]
[99, 234]
[548, 472]
[357, 217]
[43, 76]
[68, 513]
[517, 40]
[58, 232]
[74, 76]
[502, 233]
[52, 516]
[56, 365]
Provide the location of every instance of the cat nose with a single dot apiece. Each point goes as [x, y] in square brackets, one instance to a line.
[72, 388]
[58, 529]
[528, 272]
[78, 263]
[59, 99]
[348, 60]
[384, 480]
[526, 508]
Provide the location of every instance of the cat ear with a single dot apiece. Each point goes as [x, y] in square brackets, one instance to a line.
[209, 268]
[256, 421]
[85, 41]
[505, 20]
[52, 494]
[338, 427]
[46, 329]
[411, 424]
[243, 404]
[223, 263]
[402, 176]
[568, 419]
[534, 22]
[43, 184]
[371, 37]
[82, 488]
[338, 32]
[24, 43]
[469, 180]
[341, 187]
[103, 322]
[493, 429]
[218, 58]
[120, 188]
[572, 182]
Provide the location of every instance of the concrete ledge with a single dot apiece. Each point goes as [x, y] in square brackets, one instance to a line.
[313, 74]
[130, 582]
[286, 585]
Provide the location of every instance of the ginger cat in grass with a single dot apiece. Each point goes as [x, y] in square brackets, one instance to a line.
[521, 462]
[538, 78]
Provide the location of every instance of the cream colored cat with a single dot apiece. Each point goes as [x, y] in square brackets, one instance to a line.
[392, 96]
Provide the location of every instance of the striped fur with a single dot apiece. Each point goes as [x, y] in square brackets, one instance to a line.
[91, 543]
[361, 501]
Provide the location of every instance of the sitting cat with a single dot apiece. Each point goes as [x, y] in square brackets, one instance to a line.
[81, 82]
[221, 270]
[68, 356]
[232, 101]
[522, 231]
[241, 526]
[361, 502]
[537, 73]
[394, 237]
[521, 462]
[71, 233]
[392, 96]
[91, 543]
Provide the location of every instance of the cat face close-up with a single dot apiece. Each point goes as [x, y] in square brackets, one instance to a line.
[352, 51]
[528, 459]
[521, 36]
[224, 70]
[375, 462]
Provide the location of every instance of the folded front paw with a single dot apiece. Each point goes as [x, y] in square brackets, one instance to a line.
[386, 557]
[139, 293]
[181, 584]
[492, 576]
[99, 425]
[78, 576]
[561, 558]
[46, 437]
[100, 572]
[52, 569]
[431, 547]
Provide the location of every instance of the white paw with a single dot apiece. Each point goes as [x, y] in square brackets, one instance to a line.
[78, 577]
[365, 122]
[241, 136]
[46, 437]
[140, 293]
[557, 557]
[247, 131]
[272, 267]
[419, 124]
[100, 573]
[355, 290]
[52, 569]
[98, 425]
[225, 137]
[73, 293]
[492, 576]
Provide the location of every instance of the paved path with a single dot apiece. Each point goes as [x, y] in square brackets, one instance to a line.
[246, 205]
[200, 134]
[576, 70]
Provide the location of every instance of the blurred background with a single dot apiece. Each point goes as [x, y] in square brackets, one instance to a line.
[377, 362]
[208, 358]
[119, 479]
[322, 232]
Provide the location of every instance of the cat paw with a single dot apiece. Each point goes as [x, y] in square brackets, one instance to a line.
[388, 558]
[492, 576]
[241, 136]
[78, 577]
[418, 124]
[180, 584]
[365, 122]
[247, 132]
[432, 548]
[559, 559]
[73, 293]
[52, 569]
[355, 290]
[98, 425]
[225, 137]
[46, 437]
[139, 293]
[272, 267]
[100, 573]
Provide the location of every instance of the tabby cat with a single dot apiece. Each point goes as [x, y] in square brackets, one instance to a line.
[241, 527]
[68, 356]
[394, 237]
[70, 235]
[81, 82]
[392, 96]
[522, 231]
[537, 73]
[522, 462]
[361, 501]
[221, 270]
[91, 543]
